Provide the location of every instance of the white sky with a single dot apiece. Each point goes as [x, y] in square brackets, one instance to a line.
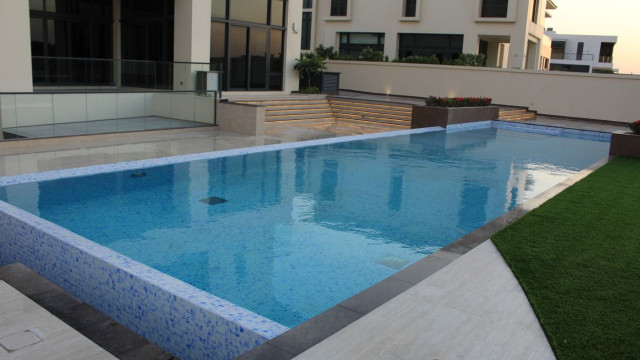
[603, 17]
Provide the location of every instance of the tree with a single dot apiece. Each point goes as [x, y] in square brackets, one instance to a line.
[308, 65]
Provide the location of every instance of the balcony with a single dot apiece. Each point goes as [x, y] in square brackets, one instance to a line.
[572, 56]
[605, 59]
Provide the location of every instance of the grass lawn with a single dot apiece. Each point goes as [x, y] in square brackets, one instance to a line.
[577, 258]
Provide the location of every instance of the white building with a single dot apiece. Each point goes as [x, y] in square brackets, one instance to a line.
[581, 53]
[509, 32]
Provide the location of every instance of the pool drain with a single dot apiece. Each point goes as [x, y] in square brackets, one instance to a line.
[214, 200]
[138, 175]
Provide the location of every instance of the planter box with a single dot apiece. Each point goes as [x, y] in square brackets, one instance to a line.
[327, 82]
[625, 144]
[429, 116]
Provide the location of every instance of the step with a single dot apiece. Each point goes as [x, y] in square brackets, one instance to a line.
[283, 112]
[371, 105]
[371, 110]
[302, 121]
[299, 117]
[371, 115]
[282, 102]
[370, 119]
[399, 125]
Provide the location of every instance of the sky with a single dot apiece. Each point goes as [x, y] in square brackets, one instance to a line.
[609, 17]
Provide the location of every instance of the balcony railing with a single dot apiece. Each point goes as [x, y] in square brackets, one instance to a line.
[572, 56]
[605, 59]
[156, 75]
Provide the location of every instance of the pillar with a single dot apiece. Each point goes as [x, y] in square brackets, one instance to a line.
[191, 42]
[15, 42]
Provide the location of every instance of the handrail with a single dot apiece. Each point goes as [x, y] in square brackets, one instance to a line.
[116, 60]
[572, 56]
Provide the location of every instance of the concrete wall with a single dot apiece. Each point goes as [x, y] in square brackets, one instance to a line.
[45, 109]
[241, 118]
[461, 17]
[593, 96]
[15, 42]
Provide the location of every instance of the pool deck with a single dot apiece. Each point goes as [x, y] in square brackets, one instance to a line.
[464, 302]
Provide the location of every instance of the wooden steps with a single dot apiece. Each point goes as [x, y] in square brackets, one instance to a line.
[516, 114]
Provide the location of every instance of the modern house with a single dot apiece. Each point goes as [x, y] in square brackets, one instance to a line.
[582, 53]
[509, 32]
[158, 44]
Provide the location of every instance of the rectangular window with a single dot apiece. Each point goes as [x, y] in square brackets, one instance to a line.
[339, 7]
[307, 4]
[444, 46]
[254, 11]
[219, 9]
[353, 43]
[535, 12]
[557, 49]
[494, 8]
[306, 31]
[606, 52]
[579, 51]
[409, 8]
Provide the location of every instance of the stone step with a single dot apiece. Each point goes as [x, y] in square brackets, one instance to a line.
[299, 117]
[370, 115]
[399, 124]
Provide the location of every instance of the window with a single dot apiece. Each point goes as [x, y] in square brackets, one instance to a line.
[494, 8]
[579, 51]
[353, 43]
[557, 49]
[409, 9]
[339, 7]
[307, 4]
[444, 46]
[535, 12]
[606, 52]
[306, 31]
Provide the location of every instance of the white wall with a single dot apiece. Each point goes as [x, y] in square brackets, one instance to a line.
[15, 42]
[592, 96]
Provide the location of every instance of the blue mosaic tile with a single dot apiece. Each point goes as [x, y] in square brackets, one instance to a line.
[552, 130]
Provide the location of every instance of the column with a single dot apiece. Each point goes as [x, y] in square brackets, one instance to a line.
[192, 32]
[292, 44]
[15, 42]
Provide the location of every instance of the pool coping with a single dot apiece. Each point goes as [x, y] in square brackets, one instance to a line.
[301, 338]
[310, 332]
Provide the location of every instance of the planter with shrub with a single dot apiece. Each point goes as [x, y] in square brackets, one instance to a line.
[449, 111]
[626, 143]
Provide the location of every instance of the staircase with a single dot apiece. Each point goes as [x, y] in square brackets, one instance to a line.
[516, 114]
[371, 111]
[319, 109]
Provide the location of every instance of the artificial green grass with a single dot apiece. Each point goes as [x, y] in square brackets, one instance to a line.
[577, 257]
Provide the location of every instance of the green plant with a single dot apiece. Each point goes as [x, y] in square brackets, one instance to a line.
[344, 57]
[468, 59]
[457, 101]
[419, 59]
[635, 127]
[309, 65]
[327, 53]
[369, 54]
[310, 90]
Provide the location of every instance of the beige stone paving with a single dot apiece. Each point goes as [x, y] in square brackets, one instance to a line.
[473, 308]
[60, 342]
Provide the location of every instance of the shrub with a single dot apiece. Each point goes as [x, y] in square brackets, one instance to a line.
[310, 90]
[369, 54]
[419, 59]
[327, 53]
[635, 127]
[457, 101]
[467, 59]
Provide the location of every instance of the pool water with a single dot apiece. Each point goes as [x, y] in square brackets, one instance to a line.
[288, 234]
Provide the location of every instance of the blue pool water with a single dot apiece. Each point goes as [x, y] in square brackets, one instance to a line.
[303, 229]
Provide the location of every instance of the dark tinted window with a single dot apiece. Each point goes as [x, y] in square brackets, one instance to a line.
[410, 8]
[249, 10]
[306, 31]
[339, 7]
[353, 43]
[277, 12]
[307, 4]
[444, 46]
[495, 8]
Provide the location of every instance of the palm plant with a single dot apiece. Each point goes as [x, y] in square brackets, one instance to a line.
[308, 65]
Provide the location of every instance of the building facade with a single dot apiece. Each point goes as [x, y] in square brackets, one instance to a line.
[582, 53]
[149, 43]
[509, 32]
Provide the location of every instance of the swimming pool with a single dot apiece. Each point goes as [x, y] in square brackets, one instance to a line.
[286, 234]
